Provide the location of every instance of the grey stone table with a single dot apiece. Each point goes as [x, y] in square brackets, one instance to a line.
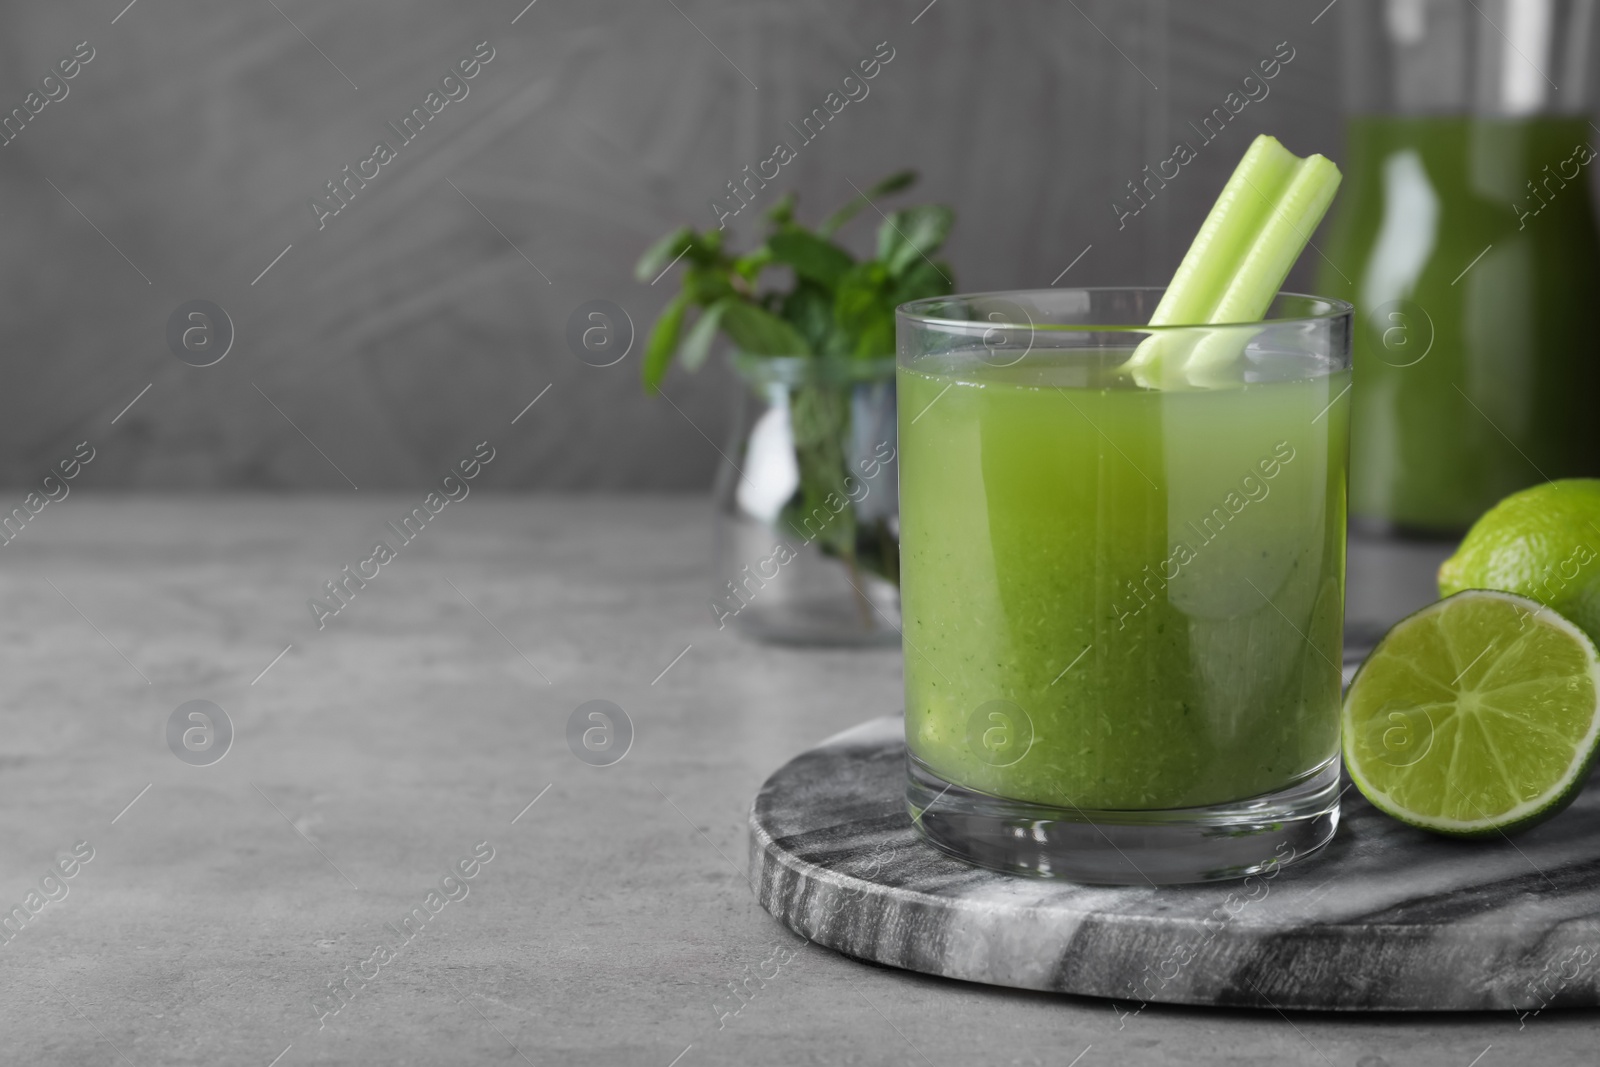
[613, 925]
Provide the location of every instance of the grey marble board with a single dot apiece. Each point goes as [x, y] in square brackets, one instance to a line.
[1385, 918]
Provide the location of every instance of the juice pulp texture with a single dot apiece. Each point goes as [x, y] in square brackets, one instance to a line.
[1503, 399]
[1115, 597]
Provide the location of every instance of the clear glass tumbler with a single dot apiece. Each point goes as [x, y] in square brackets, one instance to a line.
[1122, 582]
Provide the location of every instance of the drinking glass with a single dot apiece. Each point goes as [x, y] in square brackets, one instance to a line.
[1122, 583]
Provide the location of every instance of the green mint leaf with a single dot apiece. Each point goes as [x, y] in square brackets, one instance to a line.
[782, 212]
[705, 286]
[860, 296]
[809, 309]
[748, 266]
[864, 310]
[913, 235]
[812, 258]
[894, 183]
[760, 332]
[697, 342]
[663, 342]
[663, 252]
[877, 339]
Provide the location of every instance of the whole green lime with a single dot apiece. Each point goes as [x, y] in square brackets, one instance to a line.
[1542, 543]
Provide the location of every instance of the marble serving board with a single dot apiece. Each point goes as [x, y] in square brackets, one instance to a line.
[1385, 918]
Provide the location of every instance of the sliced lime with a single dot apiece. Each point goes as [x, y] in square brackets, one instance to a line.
[1477, 715]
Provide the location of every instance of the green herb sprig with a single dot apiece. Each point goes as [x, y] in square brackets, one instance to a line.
[835, 307]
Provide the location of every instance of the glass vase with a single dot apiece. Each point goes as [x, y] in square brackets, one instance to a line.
[807, 504]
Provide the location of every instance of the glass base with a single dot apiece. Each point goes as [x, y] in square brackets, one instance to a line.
[1257, 835]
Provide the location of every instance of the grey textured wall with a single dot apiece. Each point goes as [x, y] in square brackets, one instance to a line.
[415, 322]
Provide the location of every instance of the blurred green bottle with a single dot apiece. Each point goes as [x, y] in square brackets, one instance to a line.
[1465, 236]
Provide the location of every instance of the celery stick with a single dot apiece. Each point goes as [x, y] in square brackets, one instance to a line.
[1282, 239]
[1227, 235]
[1254, 233]
[1284, 236]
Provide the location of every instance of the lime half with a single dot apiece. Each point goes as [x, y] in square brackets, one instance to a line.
[1477, 715]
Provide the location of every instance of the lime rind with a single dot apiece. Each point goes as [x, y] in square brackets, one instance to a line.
[1556, 726]
[1542, 543]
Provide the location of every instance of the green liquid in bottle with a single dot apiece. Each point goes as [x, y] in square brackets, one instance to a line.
[1477, 350]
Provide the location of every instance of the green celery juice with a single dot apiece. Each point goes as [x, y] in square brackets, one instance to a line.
[1118, 597]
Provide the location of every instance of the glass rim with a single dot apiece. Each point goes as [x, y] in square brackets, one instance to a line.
[912, 312]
